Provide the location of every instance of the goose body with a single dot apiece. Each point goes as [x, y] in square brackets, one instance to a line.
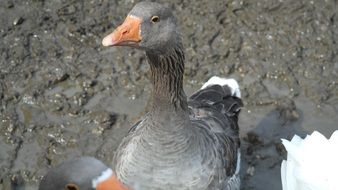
[311, 163]
[200, 152]
[181, 143]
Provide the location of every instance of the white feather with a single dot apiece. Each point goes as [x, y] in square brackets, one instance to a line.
[231, 83]
[104, 176]
[238, 165]
[312, 163]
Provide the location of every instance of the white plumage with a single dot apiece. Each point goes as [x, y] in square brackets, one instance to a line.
[312, 163]
[231, 83]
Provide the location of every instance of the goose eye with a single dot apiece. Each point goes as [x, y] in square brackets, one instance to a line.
[155, 19]
[72, 186]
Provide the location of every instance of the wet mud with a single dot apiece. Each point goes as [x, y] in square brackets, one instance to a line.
[63, 95]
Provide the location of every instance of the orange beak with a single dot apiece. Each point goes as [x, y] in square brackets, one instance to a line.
[112, 183]
[127, 34]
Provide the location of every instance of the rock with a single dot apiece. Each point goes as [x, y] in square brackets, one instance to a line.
[253, 138]
[18, 21]
[287, 110]
[9, 4]
[280, 149]
[67, 10]
[250, 171]
[103, 117]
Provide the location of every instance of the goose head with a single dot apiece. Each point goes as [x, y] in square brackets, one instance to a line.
[85, 173]
[149, 26]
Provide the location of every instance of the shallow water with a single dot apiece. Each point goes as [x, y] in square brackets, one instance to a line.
[63, 95]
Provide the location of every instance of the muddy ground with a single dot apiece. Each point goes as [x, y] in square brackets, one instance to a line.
[63, 95]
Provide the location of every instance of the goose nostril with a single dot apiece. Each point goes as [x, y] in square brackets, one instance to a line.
[125, 32]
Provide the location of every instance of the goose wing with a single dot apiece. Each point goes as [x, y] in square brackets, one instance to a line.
[215, 109]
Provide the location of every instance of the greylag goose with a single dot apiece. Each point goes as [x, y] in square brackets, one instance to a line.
[181, 143]
[311, 163]
[85, 173]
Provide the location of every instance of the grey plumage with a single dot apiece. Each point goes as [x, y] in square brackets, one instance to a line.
[178, 155]
[181, 143]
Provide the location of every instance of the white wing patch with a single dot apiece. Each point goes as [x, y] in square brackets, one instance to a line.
[231, 83]
[104, 176]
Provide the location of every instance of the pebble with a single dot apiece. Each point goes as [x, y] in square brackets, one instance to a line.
[253, 138]
[18, 21]
[251, 170]
[9, 4]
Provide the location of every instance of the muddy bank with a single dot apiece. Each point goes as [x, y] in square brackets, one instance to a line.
[64, 95]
